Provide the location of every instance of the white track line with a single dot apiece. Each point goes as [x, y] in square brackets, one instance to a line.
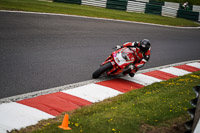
[124, 21]
[74, 85]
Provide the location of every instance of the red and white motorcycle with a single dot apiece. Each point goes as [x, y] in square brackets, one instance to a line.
[118, 62]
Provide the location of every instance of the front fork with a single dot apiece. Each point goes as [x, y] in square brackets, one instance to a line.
[115, 67]
[109, 59]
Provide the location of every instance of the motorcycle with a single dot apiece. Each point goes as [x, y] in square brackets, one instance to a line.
[118, 62]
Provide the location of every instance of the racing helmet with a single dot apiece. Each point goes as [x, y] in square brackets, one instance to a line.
[144, 45]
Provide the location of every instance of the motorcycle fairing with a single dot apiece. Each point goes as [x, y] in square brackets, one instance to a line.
[123, 57]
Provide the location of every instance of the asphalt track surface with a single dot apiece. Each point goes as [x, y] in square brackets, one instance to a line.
[38, 52]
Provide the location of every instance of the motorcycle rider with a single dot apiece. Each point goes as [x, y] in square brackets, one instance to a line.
[142, 50]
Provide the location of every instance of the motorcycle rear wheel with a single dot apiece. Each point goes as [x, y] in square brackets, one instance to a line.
[101, 70]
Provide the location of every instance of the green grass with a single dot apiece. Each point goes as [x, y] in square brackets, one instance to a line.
[157, 105]
[82, 10]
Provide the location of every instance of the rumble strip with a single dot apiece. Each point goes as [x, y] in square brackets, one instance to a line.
[25, 112]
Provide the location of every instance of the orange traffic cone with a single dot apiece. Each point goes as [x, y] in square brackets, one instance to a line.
[65, 123]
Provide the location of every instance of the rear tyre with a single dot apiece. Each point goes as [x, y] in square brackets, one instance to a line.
[101, 70]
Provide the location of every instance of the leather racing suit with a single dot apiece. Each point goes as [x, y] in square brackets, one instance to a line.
[142, 57]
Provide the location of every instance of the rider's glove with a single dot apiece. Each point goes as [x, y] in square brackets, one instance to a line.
[117, 47]
[131, 67]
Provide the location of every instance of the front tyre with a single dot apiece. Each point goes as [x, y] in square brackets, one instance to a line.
[102, 69]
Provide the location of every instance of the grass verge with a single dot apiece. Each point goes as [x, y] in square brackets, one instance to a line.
[160, 107]
[82, 10]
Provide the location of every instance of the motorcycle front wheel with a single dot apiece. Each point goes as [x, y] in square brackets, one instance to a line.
[101, 70]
